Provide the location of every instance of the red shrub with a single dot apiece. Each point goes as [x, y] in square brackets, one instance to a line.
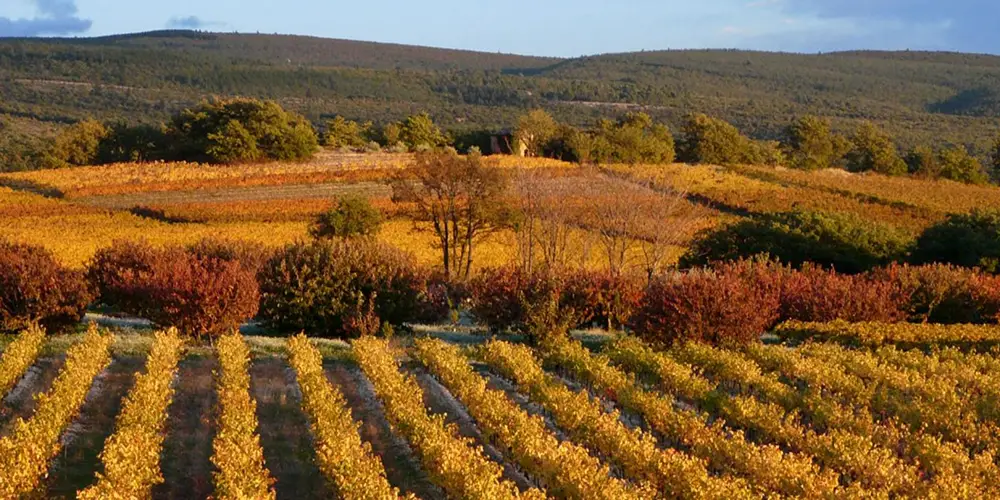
[174, 287]
[496, 297]
[441, 299]
[503, 298]
[984, 295]
[717, 307]
[114, 270]
[602, 298]
[35, 288]
[817, 295]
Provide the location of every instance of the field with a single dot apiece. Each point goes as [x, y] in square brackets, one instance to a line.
[454, 414]
[272, 204]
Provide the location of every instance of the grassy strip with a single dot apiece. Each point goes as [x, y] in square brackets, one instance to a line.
[452, 462]
[767, 468]
[343, 457]
[25, 453]
[131, 455]
[19, 356]
[237, 454]
[566, 469]
[675, 474]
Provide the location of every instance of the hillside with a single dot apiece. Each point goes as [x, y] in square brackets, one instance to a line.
[921, 97]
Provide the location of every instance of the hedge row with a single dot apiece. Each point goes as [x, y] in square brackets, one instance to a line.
[328, 288]
[733, 303]
[349, 288]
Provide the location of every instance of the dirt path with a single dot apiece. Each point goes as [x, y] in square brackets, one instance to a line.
[75, 466]
[284, 431]
[187, 450]
[402, 467]
[20, 401]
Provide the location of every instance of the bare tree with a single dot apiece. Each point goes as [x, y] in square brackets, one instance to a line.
[636, 221]
[458, 198]
[617, 220]
[671, 219]
[543, 227]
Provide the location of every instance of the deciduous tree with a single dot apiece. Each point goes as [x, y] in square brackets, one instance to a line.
[458, 198]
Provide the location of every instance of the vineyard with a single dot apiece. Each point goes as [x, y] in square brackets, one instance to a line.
[807, 414]
[272, 204]
[617, 332]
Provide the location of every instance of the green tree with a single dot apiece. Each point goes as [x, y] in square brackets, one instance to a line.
[875, 151]
[844, 241]
[995, 158]
[967, 240]
[241, 130]
[810, 144]
[534, 131]
[419, 132]
[955, 163]
[138, 143]
[712, 141]
[353, 216]
[633, 139]
[80, 143]
[342, 133]
[922, 161]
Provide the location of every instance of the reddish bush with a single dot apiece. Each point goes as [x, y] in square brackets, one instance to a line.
[602, 298]
[984, 295]
[172, 287]
[327, 288]
[504, 298]
[441, 299]
[114, 270]
[497, 297]
[718, 307]
[817, 295]
[35, 288]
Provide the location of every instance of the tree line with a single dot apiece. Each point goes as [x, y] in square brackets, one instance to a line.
[243, 130]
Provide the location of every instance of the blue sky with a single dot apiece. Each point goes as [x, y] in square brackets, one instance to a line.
[544, 27]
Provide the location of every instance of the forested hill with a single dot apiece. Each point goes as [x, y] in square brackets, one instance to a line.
[920, 97]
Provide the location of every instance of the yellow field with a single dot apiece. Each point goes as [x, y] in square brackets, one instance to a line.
[73, 225]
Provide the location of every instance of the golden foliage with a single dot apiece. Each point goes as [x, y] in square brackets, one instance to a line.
[26, 451]
[566, 468]
[673, 473]
[860, 461]
[19, 356]
[131, 455]
[901, 334]
[767, 468]
[453, 463]
[237, 454]
[343, 458]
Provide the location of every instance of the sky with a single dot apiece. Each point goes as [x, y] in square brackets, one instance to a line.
[565, 28]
